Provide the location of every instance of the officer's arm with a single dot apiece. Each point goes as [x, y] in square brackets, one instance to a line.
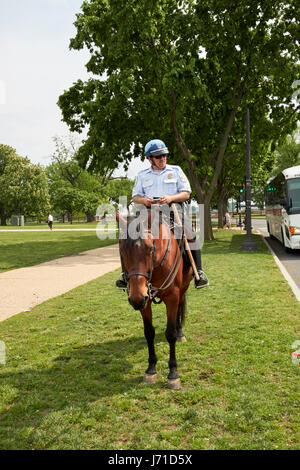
[147, 201]
[179, 197]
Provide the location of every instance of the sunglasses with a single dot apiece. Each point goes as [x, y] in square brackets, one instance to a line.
[160, 156]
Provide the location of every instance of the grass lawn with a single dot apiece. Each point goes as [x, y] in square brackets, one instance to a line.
[27, 249]
[73, 375]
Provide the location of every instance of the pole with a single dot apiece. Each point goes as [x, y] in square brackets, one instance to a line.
[249, 244]
[187, 246]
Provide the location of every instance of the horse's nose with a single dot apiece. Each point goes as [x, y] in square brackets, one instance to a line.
[138, 304]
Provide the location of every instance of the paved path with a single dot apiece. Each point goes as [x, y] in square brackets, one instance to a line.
[24, 288]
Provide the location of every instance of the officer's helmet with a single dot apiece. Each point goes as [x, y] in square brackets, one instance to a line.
[155, 147]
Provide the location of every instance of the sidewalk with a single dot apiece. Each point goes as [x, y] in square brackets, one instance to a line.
[24, 288]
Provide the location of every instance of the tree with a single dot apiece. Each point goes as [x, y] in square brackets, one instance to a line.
[185, 71]
[6, 154]
[24, 187]
[287, 155]
[72, 188]
[117, 188]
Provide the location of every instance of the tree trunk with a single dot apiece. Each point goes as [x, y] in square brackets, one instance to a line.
[90, 217]
[222, 207]
[208, 233]
[204, 188]
[2, 216]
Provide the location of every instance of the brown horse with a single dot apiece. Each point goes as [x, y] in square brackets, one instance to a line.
[155, 267]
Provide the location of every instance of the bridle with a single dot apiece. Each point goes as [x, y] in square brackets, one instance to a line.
[152, 290]
[147, 275]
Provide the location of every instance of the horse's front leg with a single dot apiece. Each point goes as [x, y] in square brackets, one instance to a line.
[171, 335]
[180, 319]
[149, 331]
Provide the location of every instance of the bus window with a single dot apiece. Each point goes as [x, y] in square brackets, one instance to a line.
[294, 195]
[275, 190]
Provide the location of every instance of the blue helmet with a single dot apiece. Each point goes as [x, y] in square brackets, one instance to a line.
[155, 147]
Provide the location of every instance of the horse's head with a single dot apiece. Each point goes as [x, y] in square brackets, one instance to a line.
[137, 254]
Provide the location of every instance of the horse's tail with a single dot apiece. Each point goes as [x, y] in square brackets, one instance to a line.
[182, 310]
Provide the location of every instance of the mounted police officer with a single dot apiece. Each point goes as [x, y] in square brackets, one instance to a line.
[168, 184]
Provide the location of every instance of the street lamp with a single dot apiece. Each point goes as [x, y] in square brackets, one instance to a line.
[249, 244]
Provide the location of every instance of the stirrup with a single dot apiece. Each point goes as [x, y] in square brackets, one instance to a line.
[121, 283]
[203, 281]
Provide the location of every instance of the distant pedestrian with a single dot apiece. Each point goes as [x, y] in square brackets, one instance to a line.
[50, 221]
[227, 220]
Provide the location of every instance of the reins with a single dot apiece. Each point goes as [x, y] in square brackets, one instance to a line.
[153, 291]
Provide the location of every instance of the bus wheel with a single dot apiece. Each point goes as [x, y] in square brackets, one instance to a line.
[287, 249]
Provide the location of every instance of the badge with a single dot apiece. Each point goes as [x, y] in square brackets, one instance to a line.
[170, 175]
[182, 177]
[146, 181]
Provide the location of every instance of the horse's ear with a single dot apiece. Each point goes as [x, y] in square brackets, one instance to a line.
[121, 221]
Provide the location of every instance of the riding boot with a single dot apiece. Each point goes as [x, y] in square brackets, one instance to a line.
[203, 280]
[122, 283]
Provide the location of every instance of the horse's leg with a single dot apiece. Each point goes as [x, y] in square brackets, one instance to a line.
[171, 335]
[149, 331]
[180, 318]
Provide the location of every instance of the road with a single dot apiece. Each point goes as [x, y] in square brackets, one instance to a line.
[291, 261]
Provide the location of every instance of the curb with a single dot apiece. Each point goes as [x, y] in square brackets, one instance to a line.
[283, 270]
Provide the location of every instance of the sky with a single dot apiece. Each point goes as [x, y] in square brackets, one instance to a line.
[36, 67]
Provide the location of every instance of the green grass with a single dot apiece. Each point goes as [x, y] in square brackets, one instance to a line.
[27, 249]
[73, 377]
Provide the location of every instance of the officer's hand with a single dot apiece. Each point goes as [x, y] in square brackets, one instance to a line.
[165, 199]
[148, 201]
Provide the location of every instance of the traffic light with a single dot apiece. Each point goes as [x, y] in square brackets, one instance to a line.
[241, 193]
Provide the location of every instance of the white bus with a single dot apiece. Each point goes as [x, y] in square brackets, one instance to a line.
[282, 198]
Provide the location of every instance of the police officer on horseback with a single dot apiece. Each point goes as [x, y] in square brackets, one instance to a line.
[168, 184]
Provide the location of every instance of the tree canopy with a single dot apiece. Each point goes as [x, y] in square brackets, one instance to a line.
[75, 190]
[184, 71]
[24, 187]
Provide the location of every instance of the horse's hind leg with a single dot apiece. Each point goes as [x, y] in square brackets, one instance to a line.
[149, 331]
[179, 322]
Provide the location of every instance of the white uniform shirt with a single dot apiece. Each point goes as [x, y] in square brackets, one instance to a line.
[167, 182]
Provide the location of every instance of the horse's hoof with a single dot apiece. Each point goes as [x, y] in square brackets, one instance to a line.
[174, 384]
[181, 339]
[150, 378]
